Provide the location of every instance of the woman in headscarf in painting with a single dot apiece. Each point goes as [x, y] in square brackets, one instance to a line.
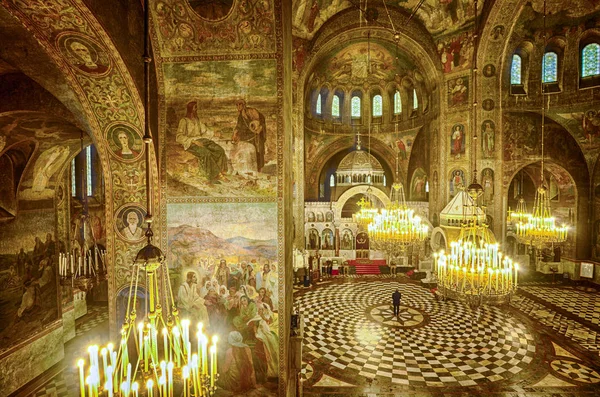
[267, 345]
[237, 372]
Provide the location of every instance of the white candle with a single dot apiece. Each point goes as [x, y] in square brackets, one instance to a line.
[80, 364]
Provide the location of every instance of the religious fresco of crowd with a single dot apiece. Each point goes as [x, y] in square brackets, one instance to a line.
[28, 286]
[222, 142]
[225, 275]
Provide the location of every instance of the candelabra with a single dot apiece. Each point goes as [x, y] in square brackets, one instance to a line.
[367, 211]
[520, 215]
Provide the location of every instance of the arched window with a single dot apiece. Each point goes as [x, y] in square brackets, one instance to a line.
[384, 180]
[335, 106]
[332, 180]
[73, 179]
[515, 70]
[355, 107]
[415, 99]
[377, 106]
[550, 68]
[318, 107]
[76, 170]
[88, 169]
[590, 60]
[397, 103]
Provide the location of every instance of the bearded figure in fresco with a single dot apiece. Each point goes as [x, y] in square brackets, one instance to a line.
[251, 128]
[193, 135]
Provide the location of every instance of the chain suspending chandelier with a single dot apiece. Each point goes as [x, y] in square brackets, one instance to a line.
[158, 354]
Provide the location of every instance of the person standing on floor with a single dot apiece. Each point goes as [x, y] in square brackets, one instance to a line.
[396, 302]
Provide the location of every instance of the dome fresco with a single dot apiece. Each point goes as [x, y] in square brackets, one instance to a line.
[359, 161]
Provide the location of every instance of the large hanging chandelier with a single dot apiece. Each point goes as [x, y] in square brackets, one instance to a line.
[475, 270]
[396, 227]
[540, 228]
[367, 212]
[158, 354]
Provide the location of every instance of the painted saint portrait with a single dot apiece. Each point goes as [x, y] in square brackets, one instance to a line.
[457, 140]
[125, 143]
[327, 241]
[417, 186]
[84, 55]
[457, 181]
[489, 70]
[458, 92]
[497, 33]
[487, 181]
[130, 222]
[347, 240]
[213, 10]
[488, 104]
[488, 138]
[313, 239]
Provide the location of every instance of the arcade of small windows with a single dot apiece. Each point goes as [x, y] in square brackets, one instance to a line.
[590, 69]
[356, 106]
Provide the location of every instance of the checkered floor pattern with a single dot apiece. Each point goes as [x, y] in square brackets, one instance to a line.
[585, 337]
[582, 304]
[576, 371]
[446, 351]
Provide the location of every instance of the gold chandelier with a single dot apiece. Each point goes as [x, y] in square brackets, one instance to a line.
[396, 227]
[540, 228]
[475, 270]
[367, 211]
[158, 354]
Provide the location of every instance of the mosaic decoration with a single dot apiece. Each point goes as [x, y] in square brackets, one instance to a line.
[576, 371]
[487, 181]
[84, 54]
[193, 27]
[221, 142]
[454, 52]
[488, 105]
[489, 70]
[550, 67]
[129, 222]
[515, 69]
[590, 60]
[457, 181]
[124, 142]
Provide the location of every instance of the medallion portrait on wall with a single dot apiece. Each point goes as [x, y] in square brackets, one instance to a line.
[129, 222]
[458, 92]
[457, 140]
[489, 70]
[84, 54]
[212, 10]
[488, 136]
[488, 104]
[125, 142]
[497, 33]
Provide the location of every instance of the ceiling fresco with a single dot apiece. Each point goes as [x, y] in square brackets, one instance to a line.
[440, 17]
[362, 62]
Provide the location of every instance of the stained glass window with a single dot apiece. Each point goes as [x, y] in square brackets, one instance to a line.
[355, 105]
[377, 106]
[590, 60]
[332, 180]
[73, 179]
[318, 109]
[415, 100]
[397, 103]
[335, 106]
[88, 169]
[515, 70]
[550, 68]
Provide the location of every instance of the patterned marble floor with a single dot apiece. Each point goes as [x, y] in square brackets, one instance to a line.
[354, 346]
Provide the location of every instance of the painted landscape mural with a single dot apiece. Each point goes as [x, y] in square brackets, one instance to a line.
[28, 287]
[223, 266]
[221, 136]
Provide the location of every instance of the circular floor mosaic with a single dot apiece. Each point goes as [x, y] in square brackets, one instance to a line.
[346, 329]
[408, 316]
[575, 371]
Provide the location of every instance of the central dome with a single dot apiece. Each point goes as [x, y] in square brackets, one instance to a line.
[359, 161]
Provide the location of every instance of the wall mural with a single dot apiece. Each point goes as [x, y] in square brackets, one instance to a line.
[456, 52]
[488, 138]
[487, 181]
[458, 92]
[222, 141]
[124, 142]
[28, 287]
[417, 185]
[129, 222]
[223, 266]
[457, 181]
[84, 54]
[457, 140]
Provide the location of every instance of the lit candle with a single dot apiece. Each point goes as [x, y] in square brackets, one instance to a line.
[88, 380]
[165, 343]
[170, 378]
[213, 367]
[135, 388]
[104, 362]
[150, 386]
[186, 385]
[215, 339]
[204, 363]
[80, 364]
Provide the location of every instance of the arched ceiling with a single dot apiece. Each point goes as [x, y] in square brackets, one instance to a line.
[439, 17]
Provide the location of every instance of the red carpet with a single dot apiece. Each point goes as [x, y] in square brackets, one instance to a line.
[367, 266]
